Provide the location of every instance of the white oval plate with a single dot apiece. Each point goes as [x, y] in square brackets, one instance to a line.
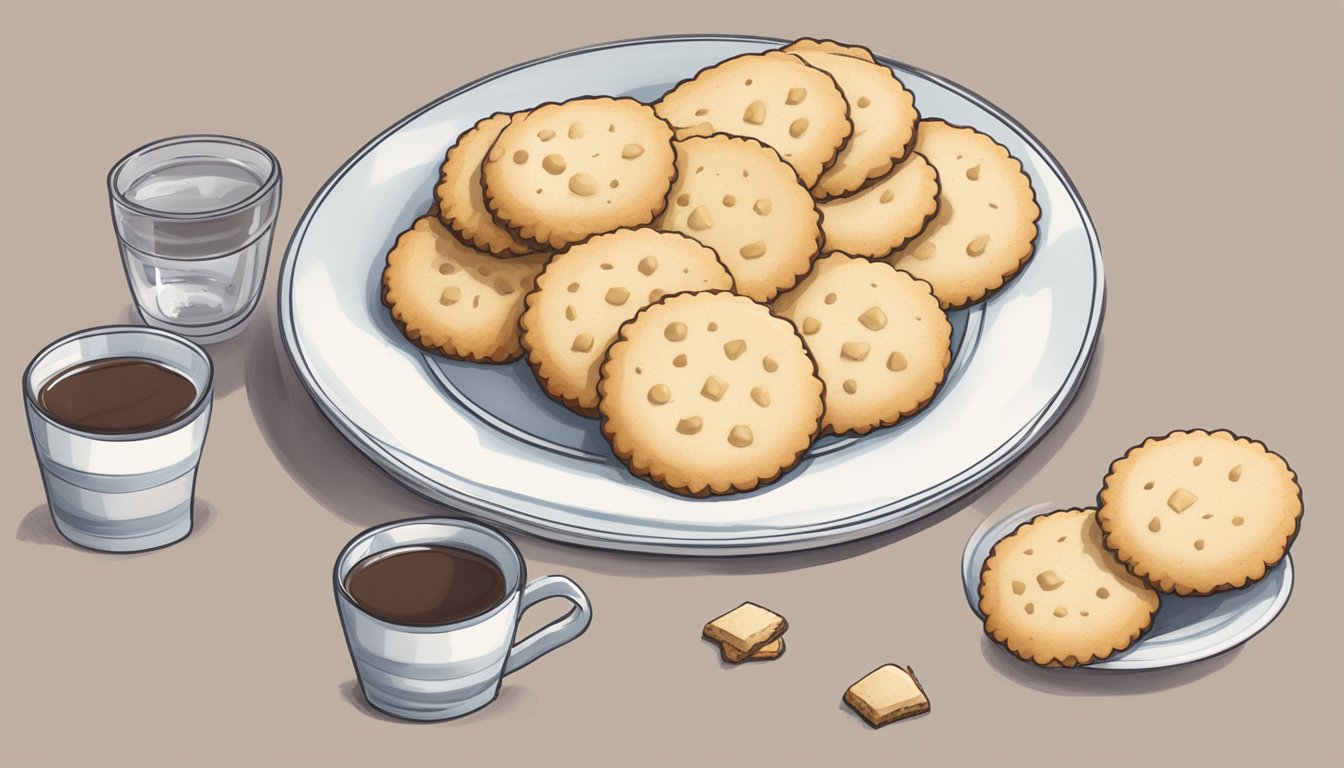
[1185, 629]
[488, 440]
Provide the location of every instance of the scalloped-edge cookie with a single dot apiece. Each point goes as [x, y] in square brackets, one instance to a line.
[736, 195]
[774, 97]
[985, 227]
[588, 291]
[460, 199]
[709, 393]
[881, 109]
[1197, 512]
[450, 298]
[881, 342]
[877, 220]
[1053, 595]
[564, 172]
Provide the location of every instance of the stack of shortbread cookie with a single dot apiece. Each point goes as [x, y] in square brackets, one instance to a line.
[764, 255]
[1191, 513]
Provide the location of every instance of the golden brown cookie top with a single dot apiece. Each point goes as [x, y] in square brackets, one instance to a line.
[985, 227]
[709, 393]
[1199, 512]
[774, 97]
[563, 172]
[1054, 596]
[881, 109]
[738, 197]
[460, 199]
[450, 298]
[881, 342]
[588, 291]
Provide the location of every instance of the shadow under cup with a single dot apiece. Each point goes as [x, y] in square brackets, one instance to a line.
[120, 492]
[442, 672]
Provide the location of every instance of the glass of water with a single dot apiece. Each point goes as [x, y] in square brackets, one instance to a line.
[194, 217]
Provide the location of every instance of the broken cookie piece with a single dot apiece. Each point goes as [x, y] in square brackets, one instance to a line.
[771, 650]
[887, 694]
[745, 630]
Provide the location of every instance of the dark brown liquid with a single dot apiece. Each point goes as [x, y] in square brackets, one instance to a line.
[117, 396]
[425, 586]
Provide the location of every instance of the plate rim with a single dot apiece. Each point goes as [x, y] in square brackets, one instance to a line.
[868, 523]
[1024, 514]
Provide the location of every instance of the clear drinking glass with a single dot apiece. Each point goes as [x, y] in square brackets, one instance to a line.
[194, 216]
[120, 492]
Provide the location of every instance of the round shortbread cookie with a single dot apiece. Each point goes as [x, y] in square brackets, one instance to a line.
[881, 342]
[736, 196]
[462, 302]
[588, 291]
[1196, 513]
[775, 97]
[1054, 596]
[881, 109]
[563, 172]
[460, 198]
[877, 220]
[709, 393]
[985, 227]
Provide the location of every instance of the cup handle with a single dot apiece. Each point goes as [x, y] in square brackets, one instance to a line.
[558, 632]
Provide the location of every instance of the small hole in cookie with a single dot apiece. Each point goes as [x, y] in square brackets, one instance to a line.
[615, 183]
[744, 173]
[1198, 460]
[1199, 544]
[573, 287]
[1028, 551]
[679, 361]
[1238, 520]
[611, 128]
[748, 81]
[447, 269]
[1029, 607]
[476, 302]
[1148, 486]
[1103, 593]
[606, 266]
[701, 112]
[1061, 539]
[1207, 517]
[701, 168]
[538, 190]
[712, 327]
[484, 269]
[638, 370]
[830, 298]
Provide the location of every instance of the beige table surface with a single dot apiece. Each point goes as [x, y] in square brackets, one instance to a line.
[1205, 140]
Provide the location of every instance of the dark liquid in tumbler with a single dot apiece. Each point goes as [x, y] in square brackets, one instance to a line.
[117, 396]
[425, 585]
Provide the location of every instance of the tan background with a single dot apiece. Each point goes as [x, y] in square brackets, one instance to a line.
[1206, 141]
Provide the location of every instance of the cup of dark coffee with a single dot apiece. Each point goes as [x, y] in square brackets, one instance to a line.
[118, 417]
[430, 608]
